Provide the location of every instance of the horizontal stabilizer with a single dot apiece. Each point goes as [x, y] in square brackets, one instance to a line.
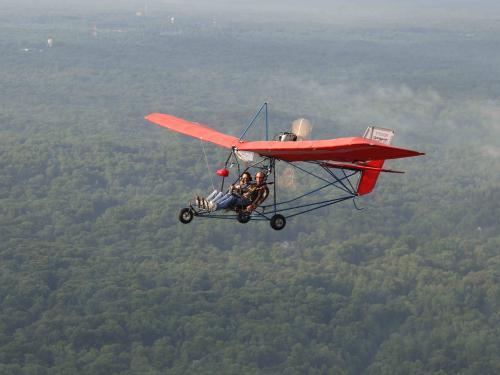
[360, 167]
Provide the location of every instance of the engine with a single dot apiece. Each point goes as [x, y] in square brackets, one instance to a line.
[286, 137]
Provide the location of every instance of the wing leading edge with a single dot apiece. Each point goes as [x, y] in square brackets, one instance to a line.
[192, 129]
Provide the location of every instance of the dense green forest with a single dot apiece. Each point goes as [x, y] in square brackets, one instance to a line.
[97, 276]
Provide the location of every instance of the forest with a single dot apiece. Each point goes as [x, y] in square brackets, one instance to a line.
[97, 275]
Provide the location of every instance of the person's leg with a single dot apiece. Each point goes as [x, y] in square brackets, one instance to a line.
[226, 202]
[241, 202]
[212, 195]
[219, 197]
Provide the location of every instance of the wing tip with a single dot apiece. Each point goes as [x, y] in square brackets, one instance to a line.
[151, 115]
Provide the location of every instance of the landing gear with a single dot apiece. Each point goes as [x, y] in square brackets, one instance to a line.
[243, 217]
[278, 222]
[186, 215]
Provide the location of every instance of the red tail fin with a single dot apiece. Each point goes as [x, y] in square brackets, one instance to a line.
[369, 178]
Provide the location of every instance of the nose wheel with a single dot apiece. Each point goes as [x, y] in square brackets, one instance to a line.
[278, 222]
[186, 215]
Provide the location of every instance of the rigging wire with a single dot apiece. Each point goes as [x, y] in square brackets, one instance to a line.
[208, 166]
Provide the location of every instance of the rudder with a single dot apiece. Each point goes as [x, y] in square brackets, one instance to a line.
[369, 178]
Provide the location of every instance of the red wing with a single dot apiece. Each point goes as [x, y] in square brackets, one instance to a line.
[192, 129]
[341, 149]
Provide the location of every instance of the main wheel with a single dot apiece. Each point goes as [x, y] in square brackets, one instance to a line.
[243, 217]
[278, 222]
[185, 215]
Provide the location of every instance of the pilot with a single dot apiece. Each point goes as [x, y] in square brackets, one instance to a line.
[257, 192]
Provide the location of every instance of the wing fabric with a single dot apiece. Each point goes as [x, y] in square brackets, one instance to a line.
[349, 150]
[192, 129]
[341, 149]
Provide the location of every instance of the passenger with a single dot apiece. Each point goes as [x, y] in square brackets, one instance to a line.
[216, 196]
[238, 189]
[251, 199]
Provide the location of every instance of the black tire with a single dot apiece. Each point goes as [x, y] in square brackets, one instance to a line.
[278, 222]
[243, 217]
[185, 215]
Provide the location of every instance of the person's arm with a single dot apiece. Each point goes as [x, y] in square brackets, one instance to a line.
[259, 198]
[237, 189]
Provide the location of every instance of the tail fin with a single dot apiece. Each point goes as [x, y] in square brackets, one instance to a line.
[369, 178]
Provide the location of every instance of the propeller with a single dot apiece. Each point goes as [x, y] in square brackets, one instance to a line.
[302, 128]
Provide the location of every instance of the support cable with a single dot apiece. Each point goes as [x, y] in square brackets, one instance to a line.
[208, 167]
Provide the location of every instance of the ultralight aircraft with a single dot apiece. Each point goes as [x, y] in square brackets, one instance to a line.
[349, 166]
